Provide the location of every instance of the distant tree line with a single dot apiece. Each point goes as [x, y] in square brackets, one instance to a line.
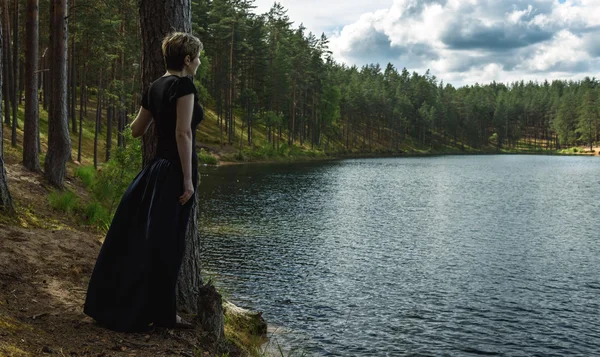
[271, 74]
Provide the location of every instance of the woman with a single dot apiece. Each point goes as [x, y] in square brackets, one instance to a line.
[133, 283]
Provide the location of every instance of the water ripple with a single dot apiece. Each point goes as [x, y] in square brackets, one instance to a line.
[450, 256]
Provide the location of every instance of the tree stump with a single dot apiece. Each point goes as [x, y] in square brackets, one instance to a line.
[245, 321]
[210, 312]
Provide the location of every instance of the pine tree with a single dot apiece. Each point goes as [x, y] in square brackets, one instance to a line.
[6, 203]
[587, 120]
[31, 130]
[157, 19]
[59, 141]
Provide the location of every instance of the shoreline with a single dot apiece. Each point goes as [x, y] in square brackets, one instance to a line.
[336, 157]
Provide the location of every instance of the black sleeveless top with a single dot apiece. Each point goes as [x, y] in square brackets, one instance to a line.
[161, 100]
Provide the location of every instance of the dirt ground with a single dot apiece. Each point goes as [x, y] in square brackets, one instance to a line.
[46, 259]
[585, 150]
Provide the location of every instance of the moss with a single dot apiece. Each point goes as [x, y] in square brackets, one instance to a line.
[12, 326]
[11, 350]
[245, 329]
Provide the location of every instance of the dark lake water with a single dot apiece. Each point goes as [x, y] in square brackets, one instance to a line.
[439, 256]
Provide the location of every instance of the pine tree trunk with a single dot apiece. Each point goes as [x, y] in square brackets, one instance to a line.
[5, 84]
[31, 158]
[6, 204]
[84, 96]
[230, 92]
[21, 80]
[292, 136]
[15, 72]
[72, 112]
[59, 141]
[109, 125]
[190, 280]
[98, 116]
[249, 114]
[49, 58]
[157, 19]
[82, 88]
[45, 74]
[120, 126]
[6, 66]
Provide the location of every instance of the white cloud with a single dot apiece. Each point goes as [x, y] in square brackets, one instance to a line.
[470, 41]
[461, 41]
[516, 15]
[320, 16]
[565, 50]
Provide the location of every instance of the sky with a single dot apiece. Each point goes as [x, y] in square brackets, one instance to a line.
[461, 42]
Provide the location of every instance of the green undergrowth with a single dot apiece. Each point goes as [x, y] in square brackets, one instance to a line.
[205, 157]
[64, 201]
[268, 152]
[106, 185]
[576, 151]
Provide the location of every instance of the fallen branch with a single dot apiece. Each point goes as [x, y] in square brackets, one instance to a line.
[17, 278]
[137, 344]
[181, 339]
[37, 316]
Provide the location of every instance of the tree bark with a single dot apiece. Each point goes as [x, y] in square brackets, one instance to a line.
[98, 116]
[5, 85]
[31, 158]
[230, 90]
[48, 61]
[73, 80]
[15, 72]
[6, 204]
[210, 312]
[110, 112]
[21, 79]
[6, 65]
[81, 91]
[120, 121]
[157, 19]
[44, 78]
[190, 280]
[59, 141]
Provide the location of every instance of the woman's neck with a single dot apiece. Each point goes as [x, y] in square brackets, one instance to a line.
[170, 72]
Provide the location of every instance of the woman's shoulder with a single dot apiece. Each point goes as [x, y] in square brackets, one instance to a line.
[181, 86]
[163, 81]
[173, 86]
[186, 82]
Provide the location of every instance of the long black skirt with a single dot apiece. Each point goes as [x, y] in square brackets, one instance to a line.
[134, 279]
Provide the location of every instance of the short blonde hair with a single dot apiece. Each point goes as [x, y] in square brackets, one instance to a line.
[176, 46]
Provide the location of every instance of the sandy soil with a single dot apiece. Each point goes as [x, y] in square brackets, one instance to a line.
[596, 150]
[45, 262]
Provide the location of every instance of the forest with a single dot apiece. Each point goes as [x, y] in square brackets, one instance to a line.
[76, 69]
[77, 64]
[262, 72]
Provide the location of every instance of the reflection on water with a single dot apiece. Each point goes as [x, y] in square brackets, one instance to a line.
[457, 256]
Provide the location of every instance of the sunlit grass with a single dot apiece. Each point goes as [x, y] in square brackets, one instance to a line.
[64, 201]
[87, 175]
[204, 157]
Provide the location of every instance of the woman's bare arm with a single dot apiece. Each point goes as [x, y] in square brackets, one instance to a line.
[141, 122]
[183, 135]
